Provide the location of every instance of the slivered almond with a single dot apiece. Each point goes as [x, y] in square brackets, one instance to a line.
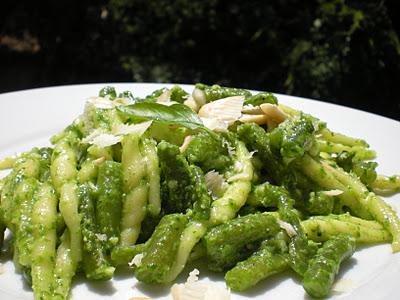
[252, 110]
[273, 112]
[199, 97]
[185, 143]
[192, 104]
[99, 160]
[258, 119]
[228, 109]
[333, 192]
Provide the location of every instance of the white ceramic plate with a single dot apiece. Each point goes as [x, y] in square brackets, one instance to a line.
[29, 118]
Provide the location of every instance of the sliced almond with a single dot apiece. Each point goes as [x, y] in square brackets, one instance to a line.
[164, 97]
[199, 97]
[252, 110]
[215, 124]
[192, 104]
[333, 192]
[227, 109]
[273, 112]
[99, 160]
[258, 119]
[185, 143]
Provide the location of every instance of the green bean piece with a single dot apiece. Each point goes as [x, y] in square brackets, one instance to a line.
[44, 218]
[323, 268]
[265, 262]
[323, 228]
[155, 266]
[226, 242]
[65, 268]
[109, 202]
[95, 263]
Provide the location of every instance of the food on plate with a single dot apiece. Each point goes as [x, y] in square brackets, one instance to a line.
[251, 186]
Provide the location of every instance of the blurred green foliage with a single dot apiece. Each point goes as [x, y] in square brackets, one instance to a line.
[340, 51]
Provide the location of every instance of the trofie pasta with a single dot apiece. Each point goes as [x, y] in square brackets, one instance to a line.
[251, 186]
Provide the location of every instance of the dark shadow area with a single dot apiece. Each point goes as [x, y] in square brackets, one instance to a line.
[344, 52]
[99, 287]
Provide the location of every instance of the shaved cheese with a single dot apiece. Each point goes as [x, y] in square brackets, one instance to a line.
[273, 112]
[100, 102]
[105, 102]
[258, 119]
[215, 124]
[192, 104]
[287, 227]
[168, 103]
[164, 97]
[101, 236]
[137, 260]
[103, 139]
[193, 276]
[195, 290]
[224, 111]
[333, 192]
[215, 183]
[138, 129]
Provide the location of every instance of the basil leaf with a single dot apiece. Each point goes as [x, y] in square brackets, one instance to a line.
[177, 114]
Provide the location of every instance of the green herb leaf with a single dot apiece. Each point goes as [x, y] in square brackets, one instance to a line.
[177, 114]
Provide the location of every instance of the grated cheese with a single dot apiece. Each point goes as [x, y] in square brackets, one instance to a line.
[195, 290]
